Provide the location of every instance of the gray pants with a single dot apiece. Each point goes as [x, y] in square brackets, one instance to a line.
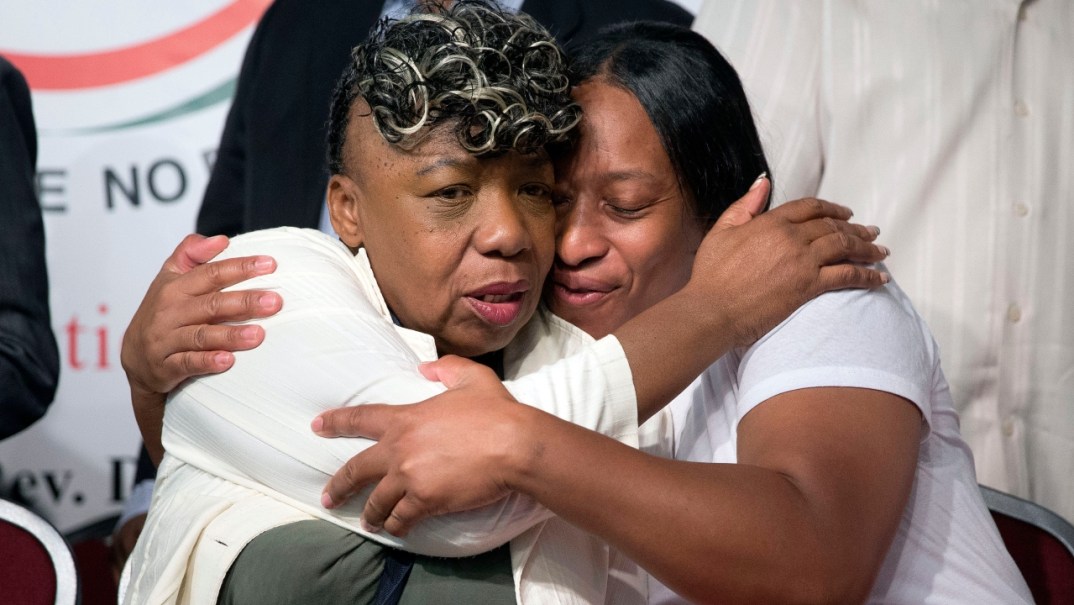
[318, 562]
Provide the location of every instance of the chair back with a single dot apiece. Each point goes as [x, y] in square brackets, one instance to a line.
[1040, 542]
[91, 545]
[36, 564]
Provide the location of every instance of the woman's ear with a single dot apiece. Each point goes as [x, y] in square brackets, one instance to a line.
[343, 200]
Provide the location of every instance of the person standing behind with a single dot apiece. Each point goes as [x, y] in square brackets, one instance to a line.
[933, 115]
[29, 360]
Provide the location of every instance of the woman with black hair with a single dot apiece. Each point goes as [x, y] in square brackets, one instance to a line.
[821, 464]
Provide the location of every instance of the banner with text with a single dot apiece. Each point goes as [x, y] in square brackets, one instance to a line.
[129, 99]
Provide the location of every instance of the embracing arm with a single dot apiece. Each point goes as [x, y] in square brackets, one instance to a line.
[748, 276]
[806, 515]
[823, 471]
[169, 339]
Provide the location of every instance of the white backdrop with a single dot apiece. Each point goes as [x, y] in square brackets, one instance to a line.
[129, 98]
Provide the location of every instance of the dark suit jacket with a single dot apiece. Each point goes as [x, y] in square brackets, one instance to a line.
[29, 361]
[270, 167]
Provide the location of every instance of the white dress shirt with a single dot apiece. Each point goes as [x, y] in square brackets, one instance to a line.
[241, 458]
[950, 124]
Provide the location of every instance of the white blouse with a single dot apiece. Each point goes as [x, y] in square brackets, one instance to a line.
[241, 458]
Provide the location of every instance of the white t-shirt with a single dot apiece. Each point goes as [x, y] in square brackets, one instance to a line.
[947, 549]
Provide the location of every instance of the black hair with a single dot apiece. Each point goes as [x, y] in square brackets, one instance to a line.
[694, 99]
[500, 77]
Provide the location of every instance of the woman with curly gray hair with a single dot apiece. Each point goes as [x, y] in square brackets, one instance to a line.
[499, 79]
[441, 194]
[428, 103]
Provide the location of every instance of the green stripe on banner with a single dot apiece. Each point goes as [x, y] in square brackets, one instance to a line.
[220, 94]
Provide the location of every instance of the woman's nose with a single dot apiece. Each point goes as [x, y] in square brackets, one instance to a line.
[504, 230]
[579, 234]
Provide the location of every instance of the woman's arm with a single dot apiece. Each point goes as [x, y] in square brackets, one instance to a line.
[747, 277]
[807, 514]
[172, 337]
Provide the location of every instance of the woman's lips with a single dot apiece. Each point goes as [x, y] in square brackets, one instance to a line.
[579, 291]
[500, 304]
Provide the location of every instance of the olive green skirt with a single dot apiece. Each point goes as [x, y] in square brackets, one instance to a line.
[319, 562]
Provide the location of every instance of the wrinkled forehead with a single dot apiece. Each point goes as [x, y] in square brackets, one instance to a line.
[367, 151]
[366, 147]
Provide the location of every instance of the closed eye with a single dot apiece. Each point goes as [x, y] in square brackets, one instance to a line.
[625, 209]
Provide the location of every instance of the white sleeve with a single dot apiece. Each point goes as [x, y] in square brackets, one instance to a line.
[329, 346]
[592, 387]
[871, 339]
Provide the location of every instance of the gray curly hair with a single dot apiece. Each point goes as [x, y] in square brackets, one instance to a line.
[501, 77]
